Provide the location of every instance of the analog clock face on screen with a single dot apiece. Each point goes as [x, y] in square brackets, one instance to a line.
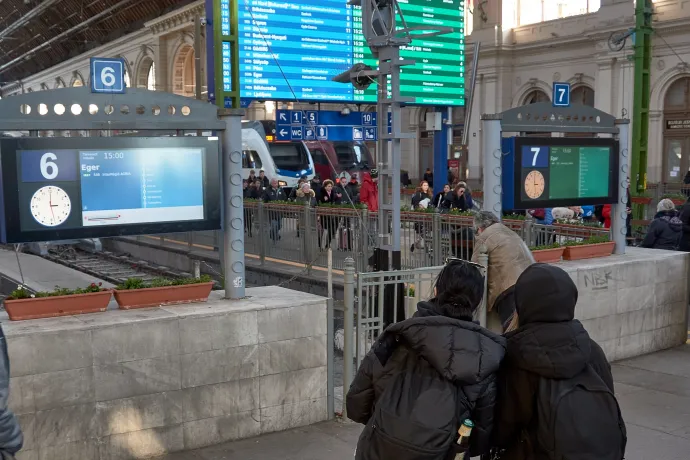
[50, 206]
[534, 184]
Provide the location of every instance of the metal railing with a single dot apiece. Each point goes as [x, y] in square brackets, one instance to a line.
[372, 300]
[302, 234]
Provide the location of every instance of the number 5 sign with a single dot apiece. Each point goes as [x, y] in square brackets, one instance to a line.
[561, 94]
[108, 75]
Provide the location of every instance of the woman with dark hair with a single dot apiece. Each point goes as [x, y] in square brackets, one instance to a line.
[421, 200]
[440, 201]
[428, 374]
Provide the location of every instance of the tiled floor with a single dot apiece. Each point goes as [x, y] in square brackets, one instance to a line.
[653, 390]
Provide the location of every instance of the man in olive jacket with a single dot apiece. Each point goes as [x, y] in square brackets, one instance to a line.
[509, 256]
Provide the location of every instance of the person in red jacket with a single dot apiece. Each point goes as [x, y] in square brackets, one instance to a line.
[369, 192]
[606, 214]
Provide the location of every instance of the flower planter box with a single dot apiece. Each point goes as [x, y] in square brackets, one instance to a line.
[578, 231]
[588, 251]
[49, 307]
[548, 256]
[678, 201]
[641, 199]
[169, 295]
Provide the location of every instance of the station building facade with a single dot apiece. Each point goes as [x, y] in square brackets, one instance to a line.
[526, 45]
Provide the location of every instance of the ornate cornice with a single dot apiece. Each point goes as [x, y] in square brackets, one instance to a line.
[176, 19]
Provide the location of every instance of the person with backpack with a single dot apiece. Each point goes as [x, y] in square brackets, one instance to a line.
[428, 374]
[556, 397]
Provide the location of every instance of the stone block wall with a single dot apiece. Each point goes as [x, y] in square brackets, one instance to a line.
[633, 304]
[138, 384]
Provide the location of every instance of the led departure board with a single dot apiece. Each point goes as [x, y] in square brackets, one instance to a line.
[548, 172]
[65, 188]
[292, 50]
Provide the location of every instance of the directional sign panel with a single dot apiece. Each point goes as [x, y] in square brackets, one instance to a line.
[107, 75]
[327, 125]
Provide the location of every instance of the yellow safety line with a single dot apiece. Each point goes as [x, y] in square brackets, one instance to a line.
[251, 256]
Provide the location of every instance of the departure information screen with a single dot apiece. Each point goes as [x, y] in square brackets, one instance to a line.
[93, 187]
[564, 172]
[293, 50]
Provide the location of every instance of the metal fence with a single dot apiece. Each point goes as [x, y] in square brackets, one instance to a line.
[373, 300]
[302, 234]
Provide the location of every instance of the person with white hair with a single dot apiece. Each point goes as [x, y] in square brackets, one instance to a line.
[509, 256]
[666, 229]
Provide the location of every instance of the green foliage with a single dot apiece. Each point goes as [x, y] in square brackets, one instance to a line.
[138, 283]
[515, 217]
[428, 210]
[545, 246]
[579, 223]
[22, 293]
[592, 240]
[457, 212]
[410, 291]
[342, 205]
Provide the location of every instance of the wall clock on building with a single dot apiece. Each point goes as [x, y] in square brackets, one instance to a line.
[50, 206]
[534, 184]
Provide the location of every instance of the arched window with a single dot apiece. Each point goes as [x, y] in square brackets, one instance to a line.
[583, 95]
[677, 131]
[536, 96]
[183, 72]
[128, 82]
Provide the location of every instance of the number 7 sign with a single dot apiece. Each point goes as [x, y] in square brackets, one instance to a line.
[561, 94]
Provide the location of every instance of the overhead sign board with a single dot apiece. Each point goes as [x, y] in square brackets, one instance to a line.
[292, 50]
[561, 94]
[326, 125]
[66, 188]
[107, 75]
[552, 172]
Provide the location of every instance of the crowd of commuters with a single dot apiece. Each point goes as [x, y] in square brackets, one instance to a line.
[531, 386]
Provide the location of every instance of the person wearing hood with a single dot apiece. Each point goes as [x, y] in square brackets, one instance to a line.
[352, 190]
[423, 364]
[666, 229]
[548, 347]
[305, 194]
[369, 191]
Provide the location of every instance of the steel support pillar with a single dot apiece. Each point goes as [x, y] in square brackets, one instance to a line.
[640, 115]
[442, 139]
[233, 205]
[492, 154]
[619, 210]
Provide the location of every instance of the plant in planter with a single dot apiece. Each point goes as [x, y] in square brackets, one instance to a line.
[137, 293]
[514, 217]
[677, 198]
[642, 199]
[596, 246]
[21, 304]
[547, 254]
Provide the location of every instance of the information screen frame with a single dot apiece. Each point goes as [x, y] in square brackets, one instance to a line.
[262, 36]
[13, 196]
[521, 202]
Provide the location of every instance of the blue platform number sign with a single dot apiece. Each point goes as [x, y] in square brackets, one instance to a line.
[107, 75]
[535, 156]
[561, 94]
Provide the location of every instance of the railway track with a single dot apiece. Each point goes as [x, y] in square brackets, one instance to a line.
[111, 267]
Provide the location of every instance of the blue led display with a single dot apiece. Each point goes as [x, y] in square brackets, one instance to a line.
[292, 50]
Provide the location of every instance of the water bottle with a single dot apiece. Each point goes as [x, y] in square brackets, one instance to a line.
[464, 433]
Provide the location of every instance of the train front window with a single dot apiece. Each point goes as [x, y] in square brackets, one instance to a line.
[289, 156]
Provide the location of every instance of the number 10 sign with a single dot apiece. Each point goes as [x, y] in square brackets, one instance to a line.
[108, 75]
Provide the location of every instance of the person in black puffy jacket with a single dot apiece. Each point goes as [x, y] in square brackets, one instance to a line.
[666, 229]
[441, 342]
[548, 343]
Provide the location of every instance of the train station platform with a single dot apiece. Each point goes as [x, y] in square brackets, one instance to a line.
[39, 274]
[653, 391]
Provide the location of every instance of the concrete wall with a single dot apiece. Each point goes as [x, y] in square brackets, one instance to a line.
[137, 384]
[633, 304]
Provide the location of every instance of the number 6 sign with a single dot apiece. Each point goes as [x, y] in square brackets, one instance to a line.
[107, 75]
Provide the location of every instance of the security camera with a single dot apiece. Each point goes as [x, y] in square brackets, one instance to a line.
[202, 21]
[360, 75]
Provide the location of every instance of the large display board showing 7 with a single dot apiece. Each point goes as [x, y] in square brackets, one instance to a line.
[564, 172]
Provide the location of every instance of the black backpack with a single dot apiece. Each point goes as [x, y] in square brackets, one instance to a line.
[579, 419]
[416, 418]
